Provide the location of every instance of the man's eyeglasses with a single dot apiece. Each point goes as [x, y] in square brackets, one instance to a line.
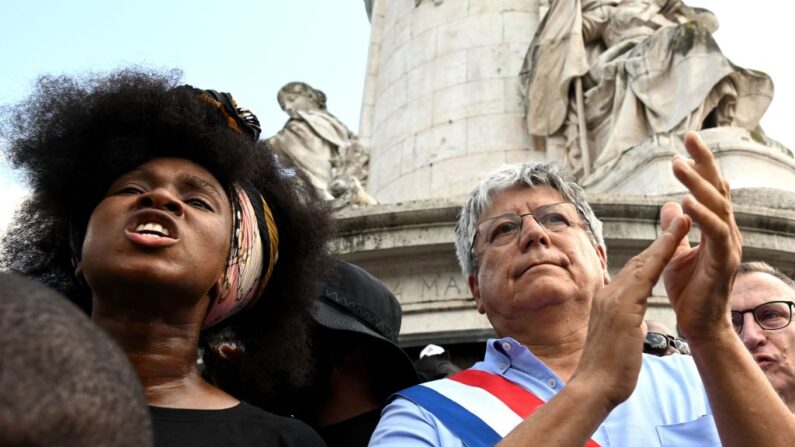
[503, 229]
[657, 344]
[769, 316]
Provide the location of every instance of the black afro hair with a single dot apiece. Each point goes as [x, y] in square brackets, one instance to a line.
[74, 136]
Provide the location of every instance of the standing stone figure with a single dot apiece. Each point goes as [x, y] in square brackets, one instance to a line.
[610, 74]
[319, 144]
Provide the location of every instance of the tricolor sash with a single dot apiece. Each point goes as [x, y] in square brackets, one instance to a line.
[477, 406]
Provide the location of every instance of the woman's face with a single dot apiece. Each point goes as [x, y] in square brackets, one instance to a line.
[164, 227]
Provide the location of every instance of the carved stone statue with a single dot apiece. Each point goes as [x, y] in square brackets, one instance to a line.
[603, 76]
[319, 144]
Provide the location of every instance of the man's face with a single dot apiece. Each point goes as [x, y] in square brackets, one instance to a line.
[540, 270]
[773, 350]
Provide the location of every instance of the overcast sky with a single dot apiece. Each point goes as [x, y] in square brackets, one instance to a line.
[252, 47]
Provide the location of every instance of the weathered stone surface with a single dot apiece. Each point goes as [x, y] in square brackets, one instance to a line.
[388, 167]
[387, 101]
[523, 156]
[516, 26]
[444, 178]
[439, 143]
[459, 61]
[422, 47]
[428, 17]
[417, 183]
[393, 68]
[469, 99]
[500, 132]
[469, 32]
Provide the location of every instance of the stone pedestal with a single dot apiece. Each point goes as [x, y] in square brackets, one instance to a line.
[747, 159]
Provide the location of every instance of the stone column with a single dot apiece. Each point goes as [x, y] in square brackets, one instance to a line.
[442, 102]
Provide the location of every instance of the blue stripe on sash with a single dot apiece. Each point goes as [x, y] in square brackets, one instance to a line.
[472, 431]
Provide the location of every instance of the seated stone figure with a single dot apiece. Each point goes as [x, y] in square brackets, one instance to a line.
[622, 71]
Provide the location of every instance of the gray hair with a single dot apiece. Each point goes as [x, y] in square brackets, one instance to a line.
[506, 177]
[764, 267]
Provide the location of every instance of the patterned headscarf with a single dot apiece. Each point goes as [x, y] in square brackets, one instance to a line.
[255, 250]
[255, 237]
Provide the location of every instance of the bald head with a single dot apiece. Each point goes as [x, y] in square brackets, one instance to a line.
[64, 382]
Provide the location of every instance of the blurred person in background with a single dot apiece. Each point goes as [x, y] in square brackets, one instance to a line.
[761, 310]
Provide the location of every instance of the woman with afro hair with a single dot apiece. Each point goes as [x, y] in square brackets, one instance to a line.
[153, 208]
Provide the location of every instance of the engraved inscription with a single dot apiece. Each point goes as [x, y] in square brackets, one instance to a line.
[429, 287]
[432, 287]
[452, 284]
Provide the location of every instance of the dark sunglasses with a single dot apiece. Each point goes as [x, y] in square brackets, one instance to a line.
[657, 344]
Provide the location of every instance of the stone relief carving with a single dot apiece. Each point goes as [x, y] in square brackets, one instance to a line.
[604, 76]
[319, 144]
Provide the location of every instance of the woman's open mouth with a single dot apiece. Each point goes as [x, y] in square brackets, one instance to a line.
[152, 229]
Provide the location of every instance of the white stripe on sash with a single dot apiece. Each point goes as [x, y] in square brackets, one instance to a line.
[479, 402]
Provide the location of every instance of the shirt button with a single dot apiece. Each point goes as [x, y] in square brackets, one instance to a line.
[506, 346]
[552, 383]
[503, 365]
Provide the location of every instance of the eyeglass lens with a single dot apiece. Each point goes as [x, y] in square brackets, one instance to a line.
[771, 315]
[657, 344]
[504, 228]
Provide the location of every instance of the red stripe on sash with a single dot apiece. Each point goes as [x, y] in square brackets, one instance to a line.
[518, 399]
[515, 397]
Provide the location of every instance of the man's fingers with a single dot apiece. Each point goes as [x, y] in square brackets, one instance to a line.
[714, 198]
[642, 271]
[705, 162]
[669, 212]
[713, 228]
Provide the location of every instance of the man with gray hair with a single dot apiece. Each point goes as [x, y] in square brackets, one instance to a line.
[761, 310]
[567, 368]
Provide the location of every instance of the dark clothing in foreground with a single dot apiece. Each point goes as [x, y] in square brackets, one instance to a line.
[353, 432]
[243, 425]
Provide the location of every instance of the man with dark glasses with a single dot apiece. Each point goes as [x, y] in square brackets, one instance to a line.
[661, 341]
[761, 312]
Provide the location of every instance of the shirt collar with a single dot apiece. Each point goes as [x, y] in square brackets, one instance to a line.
[506, 353]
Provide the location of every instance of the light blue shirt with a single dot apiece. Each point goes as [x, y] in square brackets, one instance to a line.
[669, 406]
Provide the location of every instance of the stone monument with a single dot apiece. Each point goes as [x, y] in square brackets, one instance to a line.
[616, 84]
[444, 102]
[321, 146]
